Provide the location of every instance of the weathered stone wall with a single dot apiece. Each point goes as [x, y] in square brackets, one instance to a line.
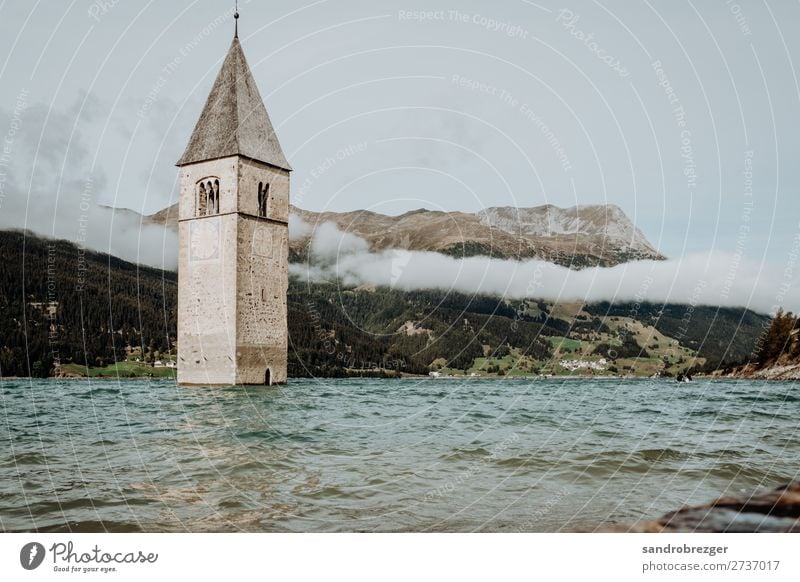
[263, 277]
[250, 174]
[207, 300]
[233, 277]
[225, 169]
[261, 300]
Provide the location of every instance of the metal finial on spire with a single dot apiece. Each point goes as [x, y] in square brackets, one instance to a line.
[236, 20]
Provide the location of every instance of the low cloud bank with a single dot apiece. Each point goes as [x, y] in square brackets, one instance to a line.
[48, 185]
[117, 232]
[710, 278]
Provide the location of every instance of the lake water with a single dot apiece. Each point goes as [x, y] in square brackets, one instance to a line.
[384, 455]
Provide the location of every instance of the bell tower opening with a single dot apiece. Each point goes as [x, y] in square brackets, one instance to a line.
[263, 199]
[207, 197]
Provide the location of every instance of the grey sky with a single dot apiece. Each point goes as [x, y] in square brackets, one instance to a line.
[480, 104]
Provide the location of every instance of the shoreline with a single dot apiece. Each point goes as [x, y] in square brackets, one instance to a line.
[698, 377]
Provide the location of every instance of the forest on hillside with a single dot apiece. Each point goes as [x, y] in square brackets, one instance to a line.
[60, 304]
[780, 342]
[63, 303]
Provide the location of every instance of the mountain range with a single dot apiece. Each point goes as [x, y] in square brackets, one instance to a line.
[577, 237]
[96, 314]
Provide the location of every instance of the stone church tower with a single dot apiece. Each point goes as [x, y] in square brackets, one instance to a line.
[233, 237]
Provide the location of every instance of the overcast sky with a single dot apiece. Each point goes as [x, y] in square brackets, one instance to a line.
[656, 106]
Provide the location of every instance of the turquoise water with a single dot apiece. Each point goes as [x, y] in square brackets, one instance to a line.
[383, 455]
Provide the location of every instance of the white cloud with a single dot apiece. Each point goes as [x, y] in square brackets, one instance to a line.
[51, 188]
[709, 278]
[329, 242]
[298, 228]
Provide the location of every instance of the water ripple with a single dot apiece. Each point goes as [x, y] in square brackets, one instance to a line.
[383, 455]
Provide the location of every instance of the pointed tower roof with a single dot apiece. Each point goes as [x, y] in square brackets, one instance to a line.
[234, 120]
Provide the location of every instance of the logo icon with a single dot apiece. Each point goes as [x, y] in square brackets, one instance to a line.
[31, 555]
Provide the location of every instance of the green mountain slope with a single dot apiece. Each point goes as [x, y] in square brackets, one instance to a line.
[61, 303]
[86, 310]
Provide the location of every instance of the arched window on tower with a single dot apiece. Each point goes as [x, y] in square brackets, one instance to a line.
[263, 199]
[207, 197]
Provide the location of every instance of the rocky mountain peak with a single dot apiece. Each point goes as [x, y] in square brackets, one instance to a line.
[579, 236]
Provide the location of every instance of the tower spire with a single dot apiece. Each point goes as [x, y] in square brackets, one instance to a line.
[234, 120]
[236, 21]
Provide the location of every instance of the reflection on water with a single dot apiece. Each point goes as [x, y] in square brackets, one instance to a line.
[383, 455]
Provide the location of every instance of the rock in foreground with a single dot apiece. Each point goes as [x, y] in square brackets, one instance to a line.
[773, 511]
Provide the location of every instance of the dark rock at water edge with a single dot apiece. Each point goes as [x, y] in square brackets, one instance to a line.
[763, 511]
